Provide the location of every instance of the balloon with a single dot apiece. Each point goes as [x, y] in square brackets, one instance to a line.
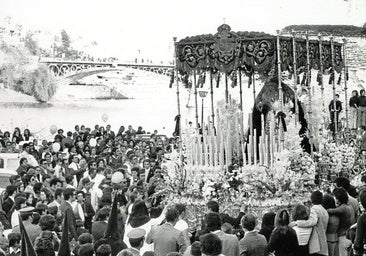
[56, 147]
[92, 142]
[117, 177]
[105, 117]
[53, 129]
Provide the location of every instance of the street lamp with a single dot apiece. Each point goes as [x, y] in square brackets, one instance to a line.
[202, 94]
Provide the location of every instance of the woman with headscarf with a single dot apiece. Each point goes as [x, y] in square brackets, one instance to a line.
[283, 240]
[140, 218]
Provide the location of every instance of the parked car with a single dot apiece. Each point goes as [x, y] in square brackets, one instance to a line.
[9, 162]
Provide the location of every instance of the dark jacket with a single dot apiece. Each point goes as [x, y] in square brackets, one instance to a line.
[360, 235]
[66, 207]
[7, 204]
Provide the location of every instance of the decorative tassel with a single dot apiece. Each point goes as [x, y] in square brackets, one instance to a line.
[203, 79]
[234, 80]
[186, 81]
[339, 79]
[289, 76]
[303, 81]
[297, 79]
[249, 81]
[331, 77]
[319, 78]
[172, 79]
[347, 75]
[218, 80]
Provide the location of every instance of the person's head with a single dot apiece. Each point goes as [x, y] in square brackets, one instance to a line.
[362, 92]
[59, 194]
[355, 93]
[337, 96]
[103, 213]
[15, 180]
[213, 221]
[80, 196]
[69, 194]
[196, 249]
[55, 183]
[248, 222]
[211, 244]
[171, 215]
[126, 252]
[146, 164]
[282, 218]
[11, 190]
[14, 240]
[45, 194]
[47, 222]
[136, 237]
[104, 249]
[362, 198]
[299, 212]
[181, 208]
[213, 206]
[341, 195]
[86, 250]
[227, 228]
[85, 238]
[20, 202]
[23, 161]
[343, 182]
[316, 197]
[328, 202]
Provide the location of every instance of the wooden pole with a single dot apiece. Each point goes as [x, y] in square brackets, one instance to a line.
[308, 85]
[345, 70]
[295, 77]
[178, 97]
[195, 97]
[212, 99]
[226, 90]
[334, 88]
[321, 70]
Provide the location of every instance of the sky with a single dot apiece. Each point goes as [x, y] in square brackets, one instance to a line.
[123, 27]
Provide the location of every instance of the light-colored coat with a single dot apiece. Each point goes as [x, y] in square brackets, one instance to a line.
[166, 239]
[318, 219]
[230, 243]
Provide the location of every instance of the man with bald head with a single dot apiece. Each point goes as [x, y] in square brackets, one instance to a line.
[253, 243]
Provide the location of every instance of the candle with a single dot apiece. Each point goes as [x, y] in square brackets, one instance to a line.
[255, 146]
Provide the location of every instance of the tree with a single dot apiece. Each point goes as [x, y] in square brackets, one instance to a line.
[65, 47]
[31, 44]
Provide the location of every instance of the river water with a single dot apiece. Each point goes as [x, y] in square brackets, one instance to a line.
[152, 103]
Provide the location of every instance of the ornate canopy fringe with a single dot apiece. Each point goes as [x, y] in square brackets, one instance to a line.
[250, 51]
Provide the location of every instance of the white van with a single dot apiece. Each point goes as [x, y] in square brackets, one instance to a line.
[9, 162]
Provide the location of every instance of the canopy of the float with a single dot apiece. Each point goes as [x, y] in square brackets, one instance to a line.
[227, 51]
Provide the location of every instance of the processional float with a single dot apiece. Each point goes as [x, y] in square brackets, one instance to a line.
[234, 55]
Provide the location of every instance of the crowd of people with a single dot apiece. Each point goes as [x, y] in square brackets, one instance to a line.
[87, 173]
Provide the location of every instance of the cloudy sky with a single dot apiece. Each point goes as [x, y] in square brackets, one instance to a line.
[122, 27]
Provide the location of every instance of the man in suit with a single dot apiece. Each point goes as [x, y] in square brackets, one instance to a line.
[99, 226]
[166, 238]
[230, 243]
[318, 219]
[69, 198]
[253, 243]
[9, 201]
